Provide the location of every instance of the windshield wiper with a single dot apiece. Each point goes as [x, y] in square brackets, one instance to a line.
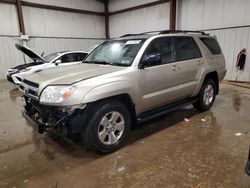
[99, 62]
[105, 63]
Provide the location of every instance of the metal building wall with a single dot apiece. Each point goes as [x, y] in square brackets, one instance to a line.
[56, 30]
[216, 17]
[8, 37]
[91, 5]
[49, 30]
[115, 5]
[136, 21]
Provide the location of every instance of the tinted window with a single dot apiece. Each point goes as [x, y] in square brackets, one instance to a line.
[164, 47]
[67, 58]
[186, 48]
[50, 57]
[212, 45]
[79, 56]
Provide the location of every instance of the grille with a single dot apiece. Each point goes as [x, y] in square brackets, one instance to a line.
[32, 92]
[30, 89]
[21, 87]
[32, 84]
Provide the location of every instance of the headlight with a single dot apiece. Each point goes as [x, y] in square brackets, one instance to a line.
[56, 94]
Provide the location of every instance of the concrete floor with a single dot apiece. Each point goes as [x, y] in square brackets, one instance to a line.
[166, 152]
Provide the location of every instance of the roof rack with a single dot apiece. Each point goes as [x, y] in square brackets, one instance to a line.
[166, 32]
[182, 31]
[129, 35]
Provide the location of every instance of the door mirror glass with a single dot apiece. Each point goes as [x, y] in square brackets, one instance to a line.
[58, 62]
[150, 59]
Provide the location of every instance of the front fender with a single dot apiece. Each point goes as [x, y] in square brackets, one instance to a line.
[109, 90]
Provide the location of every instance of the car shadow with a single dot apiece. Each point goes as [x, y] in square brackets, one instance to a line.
[55, 143]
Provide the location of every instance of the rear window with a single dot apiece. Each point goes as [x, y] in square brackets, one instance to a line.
[212, 45]
[186, 48]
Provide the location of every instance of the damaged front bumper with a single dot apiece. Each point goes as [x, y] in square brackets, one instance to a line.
[63, 119]
[39, 127]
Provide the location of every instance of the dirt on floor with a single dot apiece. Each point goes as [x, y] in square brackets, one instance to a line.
[207, 149]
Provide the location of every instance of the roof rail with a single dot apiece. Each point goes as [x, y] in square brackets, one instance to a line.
[182, 31]
[129, 35]
[165, 32]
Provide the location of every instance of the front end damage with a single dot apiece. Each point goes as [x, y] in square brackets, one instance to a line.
[63, 119]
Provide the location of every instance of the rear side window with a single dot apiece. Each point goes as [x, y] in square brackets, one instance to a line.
[186, 48]
[212, 45]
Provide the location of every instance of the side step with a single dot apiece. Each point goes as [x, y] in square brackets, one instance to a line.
[145, 116]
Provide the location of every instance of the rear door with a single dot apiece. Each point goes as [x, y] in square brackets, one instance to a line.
[190, 62]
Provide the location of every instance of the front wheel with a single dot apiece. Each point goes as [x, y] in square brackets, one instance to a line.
[108, 127]
[206, 95]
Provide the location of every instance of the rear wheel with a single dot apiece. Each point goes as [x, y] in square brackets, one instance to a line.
[206, 95]
[107, 128]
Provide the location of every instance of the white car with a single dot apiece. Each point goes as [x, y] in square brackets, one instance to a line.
[16, 74]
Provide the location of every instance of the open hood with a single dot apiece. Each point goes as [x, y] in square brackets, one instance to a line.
[30, 53]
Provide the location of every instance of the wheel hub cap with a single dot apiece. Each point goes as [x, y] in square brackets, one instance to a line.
[111, 128]
[208, 94]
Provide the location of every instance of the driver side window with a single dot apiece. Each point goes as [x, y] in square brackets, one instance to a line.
[163, 46]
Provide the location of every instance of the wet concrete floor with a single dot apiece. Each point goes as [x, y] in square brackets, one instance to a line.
[165, 152]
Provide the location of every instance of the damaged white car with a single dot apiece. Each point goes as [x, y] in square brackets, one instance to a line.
[16, 74]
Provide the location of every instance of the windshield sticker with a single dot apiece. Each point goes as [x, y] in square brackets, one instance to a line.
[126, 62]
[133, 42]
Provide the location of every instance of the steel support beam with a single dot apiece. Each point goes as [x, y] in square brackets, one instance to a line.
[20, 16]
[172, 18]
[58, 8]
[139, 7]
[106, 7]
[8, 1]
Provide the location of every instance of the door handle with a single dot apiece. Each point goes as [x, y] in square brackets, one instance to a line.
[200, 62]
[175, 68]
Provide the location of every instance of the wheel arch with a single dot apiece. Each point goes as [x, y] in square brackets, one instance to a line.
[213, 76]
[209, 75]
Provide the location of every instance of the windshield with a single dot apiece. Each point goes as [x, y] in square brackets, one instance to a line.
[50, 57]
[117, 52]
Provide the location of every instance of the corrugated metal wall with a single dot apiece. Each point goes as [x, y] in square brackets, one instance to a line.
[232, 41]
[43, 22]
[9, 26]
[220, 14]
[115, 5]
[136, 21]
[49, 30]
[91, 5]
[54, 44]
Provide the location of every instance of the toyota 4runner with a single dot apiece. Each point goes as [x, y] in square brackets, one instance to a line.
[123, 81]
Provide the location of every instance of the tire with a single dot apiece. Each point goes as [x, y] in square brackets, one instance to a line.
[107, 127]
[206, 95]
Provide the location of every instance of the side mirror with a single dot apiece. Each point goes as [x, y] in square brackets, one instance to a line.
[150, 60]
[58, 62]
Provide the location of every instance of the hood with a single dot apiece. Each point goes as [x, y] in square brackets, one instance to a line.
[24, 66]
[71, 74]
[30, 53]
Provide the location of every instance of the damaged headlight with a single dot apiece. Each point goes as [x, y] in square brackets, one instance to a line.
[56, 94]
